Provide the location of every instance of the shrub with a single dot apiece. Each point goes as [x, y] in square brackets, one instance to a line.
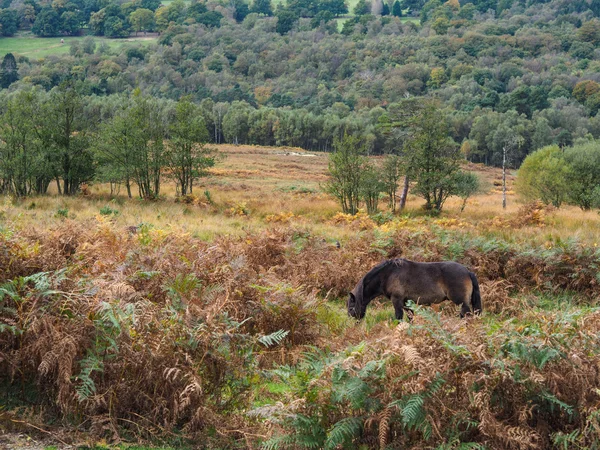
[544, 175]
[584, 174]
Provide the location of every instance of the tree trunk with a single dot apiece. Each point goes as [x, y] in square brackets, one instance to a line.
[504, 177]
[404, 193]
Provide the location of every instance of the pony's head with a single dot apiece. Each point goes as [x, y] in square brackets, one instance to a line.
[356, 308]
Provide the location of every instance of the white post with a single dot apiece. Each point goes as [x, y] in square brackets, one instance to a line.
[504, 177]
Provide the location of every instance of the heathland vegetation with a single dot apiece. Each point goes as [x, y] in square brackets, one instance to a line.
[174, 263]
[221, 319]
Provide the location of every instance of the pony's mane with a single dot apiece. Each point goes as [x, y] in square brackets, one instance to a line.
[382, 265]
[375, 270]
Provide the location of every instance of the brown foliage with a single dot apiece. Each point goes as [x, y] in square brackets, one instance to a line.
[173, 319]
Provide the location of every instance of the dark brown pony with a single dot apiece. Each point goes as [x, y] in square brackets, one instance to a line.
[423, 283]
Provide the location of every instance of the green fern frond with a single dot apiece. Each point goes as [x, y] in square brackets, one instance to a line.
[555, 402]
[87, 387]
[343, 432]
[412, 411]
[278, 442]
[273, 338]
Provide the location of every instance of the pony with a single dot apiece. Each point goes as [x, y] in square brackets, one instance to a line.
[423, 283]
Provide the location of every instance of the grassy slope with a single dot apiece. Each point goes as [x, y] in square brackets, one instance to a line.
[267, 181]
[35, 47]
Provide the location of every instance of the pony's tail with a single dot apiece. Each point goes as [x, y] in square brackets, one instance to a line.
[476, 295]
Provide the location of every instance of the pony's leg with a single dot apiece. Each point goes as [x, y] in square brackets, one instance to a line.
[398, 303]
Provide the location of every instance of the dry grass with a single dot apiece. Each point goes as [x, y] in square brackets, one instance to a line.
[149, 324]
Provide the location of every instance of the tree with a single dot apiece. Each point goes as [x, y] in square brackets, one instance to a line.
[262, 7]
[396, 9]
[8, 71]
[131, 147]
[371, 185]
[9, 22]
[285, 20]
[590, 31]
[321, 17]
[70, 23]
[47, 23]
[391, 173]
[241, 10]
[115, 27]
[23, 165]
[346, 166]
[362, 7]
[152, 5]
[432, 158]
[466, 185]
[400, 127]
[585, 89]
[67, 128]
[187, 155]
[544, 175]
[235, 123]
[584, 176]
[335, 7]
[142, 20]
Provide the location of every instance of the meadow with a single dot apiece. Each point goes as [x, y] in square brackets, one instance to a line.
[26, 44]
[218, 320]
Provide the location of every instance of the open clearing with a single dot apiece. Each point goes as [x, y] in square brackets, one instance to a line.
[36, 47]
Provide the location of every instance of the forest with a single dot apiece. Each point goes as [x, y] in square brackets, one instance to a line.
[498, 69]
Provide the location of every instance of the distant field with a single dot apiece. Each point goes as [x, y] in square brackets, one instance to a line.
[35, 47]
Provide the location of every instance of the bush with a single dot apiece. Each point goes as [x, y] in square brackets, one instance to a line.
[545, 175]
[584, 174]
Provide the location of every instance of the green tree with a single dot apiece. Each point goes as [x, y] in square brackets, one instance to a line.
[8, 71]
[391, 172]
[70, 23]
[235, 123]
[544, 175]
[335, 7]
[362, 7]
[142, 20]
[47, 23]
[346, 166]
[396, 9]
[115, 27]
[584, 175]
[590, 31]
[262, 7]
[187, 155]
[23, 164]
[371, 185]
[285, 20]
[241, 10]
[9, 22]
[130, 146]
[466, 185]
[432, 158]
[67, 127]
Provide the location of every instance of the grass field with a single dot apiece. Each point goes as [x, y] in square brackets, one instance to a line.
[221, 319]
[35, 47]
